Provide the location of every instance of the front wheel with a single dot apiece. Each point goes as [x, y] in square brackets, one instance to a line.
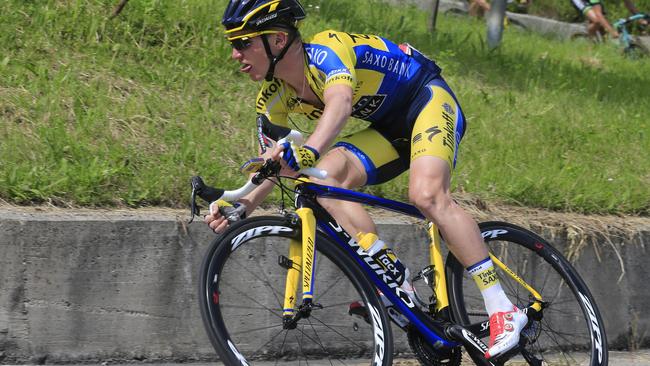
[570, 330]
[241, 294]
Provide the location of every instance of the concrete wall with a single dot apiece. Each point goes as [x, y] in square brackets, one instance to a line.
[78, 286]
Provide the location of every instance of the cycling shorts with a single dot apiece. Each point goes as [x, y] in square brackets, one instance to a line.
[433, 125]
[583, 6]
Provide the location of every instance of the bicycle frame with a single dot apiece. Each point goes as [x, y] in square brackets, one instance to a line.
[621, 26]
[313, 216]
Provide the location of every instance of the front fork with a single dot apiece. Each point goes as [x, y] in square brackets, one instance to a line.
[302, 256]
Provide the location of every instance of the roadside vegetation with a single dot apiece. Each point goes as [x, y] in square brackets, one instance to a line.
[121, 112]
[563, 10]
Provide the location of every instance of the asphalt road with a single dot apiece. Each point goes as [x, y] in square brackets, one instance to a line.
[639, 358]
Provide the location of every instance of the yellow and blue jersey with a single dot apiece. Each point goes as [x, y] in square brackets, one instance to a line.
[382, 75]
[411, 110]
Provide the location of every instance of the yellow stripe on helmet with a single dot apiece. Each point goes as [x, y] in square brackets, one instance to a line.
[253, 34]
[272, 6]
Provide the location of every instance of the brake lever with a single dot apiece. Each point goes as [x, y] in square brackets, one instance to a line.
[197, 185]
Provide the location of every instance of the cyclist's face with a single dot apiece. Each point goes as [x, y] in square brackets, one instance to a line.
[250, 53]
[248, 49]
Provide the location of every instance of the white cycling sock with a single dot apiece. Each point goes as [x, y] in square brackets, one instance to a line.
[487, 280]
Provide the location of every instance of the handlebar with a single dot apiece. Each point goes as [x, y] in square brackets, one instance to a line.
[269, 169]
[623, 21]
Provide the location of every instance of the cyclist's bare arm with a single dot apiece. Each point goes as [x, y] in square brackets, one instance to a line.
[634, 10]
[630, 6]
[338, 107]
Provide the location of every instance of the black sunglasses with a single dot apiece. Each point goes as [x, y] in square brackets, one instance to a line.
[241, 44]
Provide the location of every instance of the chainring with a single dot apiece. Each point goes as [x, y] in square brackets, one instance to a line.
[428, 356]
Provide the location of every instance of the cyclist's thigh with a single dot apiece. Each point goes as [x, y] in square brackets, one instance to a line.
[343, 169]
[375, 155]
[440, 124]
[597, 5]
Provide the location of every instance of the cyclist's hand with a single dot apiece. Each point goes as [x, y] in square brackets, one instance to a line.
[298, 158]
[216, 222]
[222, 214]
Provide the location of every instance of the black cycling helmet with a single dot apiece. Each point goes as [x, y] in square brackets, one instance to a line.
[257, 15]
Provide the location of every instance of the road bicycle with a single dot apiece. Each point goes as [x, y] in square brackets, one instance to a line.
[631, 45]
[296, 286]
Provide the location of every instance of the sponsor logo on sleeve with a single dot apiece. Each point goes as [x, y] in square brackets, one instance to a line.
[367, 105]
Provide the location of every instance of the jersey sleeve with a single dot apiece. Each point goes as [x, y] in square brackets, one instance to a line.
[333, 59]
[269, 102]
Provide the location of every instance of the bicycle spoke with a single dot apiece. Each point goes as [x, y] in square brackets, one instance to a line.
[263, 307]
[319, 341]
[255, 329]
[284, 342]
[563, 333]
[330, 287]
[275, 292]
[337, 332]
[269, 341]
[247, 321]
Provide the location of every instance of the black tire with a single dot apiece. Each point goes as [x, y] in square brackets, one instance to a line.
[241, 298]
[571, 330]
[636, 51]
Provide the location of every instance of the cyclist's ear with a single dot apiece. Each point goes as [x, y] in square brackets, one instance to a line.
[281, 39]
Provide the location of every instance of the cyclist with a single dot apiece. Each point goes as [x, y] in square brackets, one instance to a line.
[633, 10]
[415, 120]
[594, 11]
[478, 8]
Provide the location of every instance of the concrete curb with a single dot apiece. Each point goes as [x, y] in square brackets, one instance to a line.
[83, 286]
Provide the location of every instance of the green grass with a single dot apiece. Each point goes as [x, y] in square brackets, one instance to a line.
[100, 112]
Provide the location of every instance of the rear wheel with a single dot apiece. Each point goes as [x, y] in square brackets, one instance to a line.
[242, 286]
[636, 51]
[570, 330]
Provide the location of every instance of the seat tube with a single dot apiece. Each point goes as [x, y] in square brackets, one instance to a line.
[293, 277]
[308, 222]
[440, 280]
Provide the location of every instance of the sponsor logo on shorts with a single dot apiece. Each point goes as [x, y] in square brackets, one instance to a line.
[432, 132]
